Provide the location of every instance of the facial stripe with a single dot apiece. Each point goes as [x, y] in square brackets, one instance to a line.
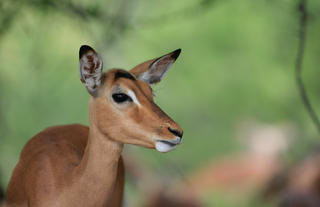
[133, 97]
[123, 74]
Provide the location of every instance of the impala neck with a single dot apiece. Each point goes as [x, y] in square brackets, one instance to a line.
[101, 156]
[97, 171]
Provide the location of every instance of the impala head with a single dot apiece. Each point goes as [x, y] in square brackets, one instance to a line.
[121, 103]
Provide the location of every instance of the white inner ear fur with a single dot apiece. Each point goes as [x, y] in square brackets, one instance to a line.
[156, 71]
[133, 97]
[92, 80]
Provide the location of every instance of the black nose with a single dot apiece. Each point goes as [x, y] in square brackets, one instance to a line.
[175, 132]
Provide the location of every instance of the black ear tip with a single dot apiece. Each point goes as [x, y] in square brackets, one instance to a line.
[84, 49]
[176, 53]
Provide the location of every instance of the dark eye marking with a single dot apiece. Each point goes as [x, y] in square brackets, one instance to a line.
[123, 74]
[121, 98]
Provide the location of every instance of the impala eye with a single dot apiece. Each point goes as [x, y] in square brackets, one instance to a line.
[121, 97]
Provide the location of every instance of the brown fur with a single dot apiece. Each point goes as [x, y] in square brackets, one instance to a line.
[73, 165]
[45, 165]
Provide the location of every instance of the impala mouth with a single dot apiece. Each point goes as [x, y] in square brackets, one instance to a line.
[167, 145]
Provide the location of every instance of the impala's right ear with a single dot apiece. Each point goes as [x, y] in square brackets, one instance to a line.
[90, 68]
[152, 71]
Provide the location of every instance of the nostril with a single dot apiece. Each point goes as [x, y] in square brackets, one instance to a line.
[175, 132]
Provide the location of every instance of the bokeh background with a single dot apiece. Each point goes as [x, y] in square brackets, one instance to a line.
[232, 89]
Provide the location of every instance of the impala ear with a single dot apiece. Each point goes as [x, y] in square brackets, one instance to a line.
[90, 68]
[153, 70]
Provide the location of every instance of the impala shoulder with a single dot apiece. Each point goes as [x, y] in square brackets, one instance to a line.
[68, 128]
[54, 137]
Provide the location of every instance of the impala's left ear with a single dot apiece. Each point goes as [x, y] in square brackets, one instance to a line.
[153, 70]
[90, 68]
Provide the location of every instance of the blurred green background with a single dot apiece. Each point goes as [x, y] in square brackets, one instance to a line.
[237, 64]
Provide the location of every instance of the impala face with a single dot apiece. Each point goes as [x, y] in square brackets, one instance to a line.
[122, 105]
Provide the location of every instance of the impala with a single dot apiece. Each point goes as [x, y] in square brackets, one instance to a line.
[76, 165]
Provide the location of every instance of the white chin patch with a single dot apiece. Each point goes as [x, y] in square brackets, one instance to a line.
[164, 147]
